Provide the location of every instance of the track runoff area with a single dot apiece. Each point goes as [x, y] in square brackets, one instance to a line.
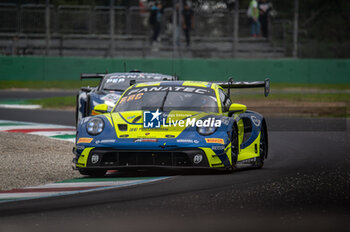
[73, 186]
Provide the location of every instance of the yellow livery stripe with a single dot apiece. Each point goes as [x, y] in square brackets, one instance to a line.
[82, 161]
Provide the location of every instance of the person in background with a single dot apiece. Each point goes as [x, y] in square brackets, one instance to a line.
[9, 48]
[264, 7]
[253, 14]
[155, 19]
[187, 22]
[177, 24]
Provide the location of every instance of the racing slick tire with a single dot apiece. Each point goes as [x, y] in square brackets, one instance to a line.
[263, 148]
[234, 146]
[93, 173]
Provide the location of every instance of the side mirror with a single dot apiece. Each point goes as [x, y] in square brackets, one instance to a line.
[100, 109]
[237, 108]
[132, 82]
[86, 89]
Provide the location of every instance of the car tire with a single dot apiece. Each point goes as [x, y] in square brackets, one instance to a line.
[234, 145]
[263, 148]
[93, 173]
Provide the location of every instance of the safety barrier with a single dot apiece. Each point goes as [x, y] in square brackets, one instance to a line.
[335, 71]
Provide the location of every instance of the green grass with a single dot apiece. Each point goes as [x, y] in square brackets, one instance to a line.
[47, 84]
[55, 102]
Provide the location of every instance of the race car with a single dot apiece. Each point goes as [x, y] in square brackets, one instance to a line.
[178, 125]
[110, 89]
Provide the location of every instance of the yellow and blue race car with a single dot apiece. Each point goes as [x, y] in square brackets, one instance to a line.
[173, 124]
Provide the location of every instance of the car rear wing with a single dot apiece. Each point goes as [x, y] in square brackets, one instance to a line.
[101, 75]
[91, 76]
[246, 84]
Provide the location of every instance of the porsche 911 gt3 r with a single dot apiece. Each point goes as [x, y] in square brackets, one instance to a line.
[179, 124]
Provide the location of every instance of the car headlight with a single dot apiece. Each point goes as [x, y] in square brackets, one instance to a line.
[95, 126]
[206, 130]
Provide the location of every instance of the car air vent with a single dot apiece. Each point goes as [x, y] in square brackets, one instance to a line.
[136, 119]
[123, 127]
[247, 129]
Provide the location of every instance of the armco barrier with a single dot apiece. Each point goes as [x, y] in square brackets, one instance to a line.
[279, 71]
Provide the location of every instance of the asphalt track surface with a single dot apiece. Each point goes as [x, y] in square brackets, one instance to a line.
[304, 186]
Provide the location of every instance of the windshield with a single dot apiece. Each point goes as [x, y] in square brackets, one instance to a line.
[186, 98]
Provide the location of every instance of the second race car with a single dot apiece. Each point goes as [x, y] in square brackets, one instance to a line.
[110, 89]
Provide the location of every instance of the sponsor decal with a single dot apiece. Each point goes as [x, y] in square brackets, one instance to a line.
[122, 77]
[214, 140]
[95, 158]
[133, 97]
[152, 119]
[153, 129]
[225, 121]
[255, 120]
[155, 119]
[85, 140]
[215, 148]
[197, 158]
[105, 141]
[131, 117]
[145, 140]
[123, 136]
[93, 112]
[169, 88]
[187, 141]
[113, 79]
[111, 97]
[184, 141]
